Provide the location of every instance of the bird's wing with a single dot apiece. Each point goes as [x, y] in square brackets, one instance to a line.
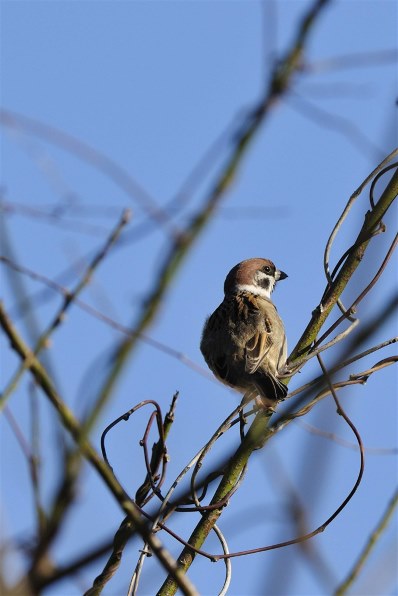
[257, 347]
[210, 344]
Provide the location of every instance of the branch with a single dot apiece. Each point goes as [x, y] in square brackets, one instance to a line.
[254, 439]
[371, 543]
[105, 164]
[100, 316]
[372, 221]
[126, 528]
[279, 85]
[87, 450]
[260, 432]
[69, 298]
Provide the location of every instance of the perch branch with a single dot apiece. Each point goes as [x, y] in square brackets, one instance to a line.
[334, 291]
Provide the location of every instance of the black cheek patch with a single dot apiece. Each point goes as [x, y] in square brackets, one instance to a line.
[264, 282]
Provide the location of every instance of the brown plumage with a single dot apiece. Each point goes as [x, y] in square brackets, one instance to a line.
[243, 341]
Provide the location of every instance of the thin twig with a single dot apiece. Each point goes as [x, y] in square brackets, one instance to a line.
[360, 379]
[110, 168]
[126, 528]
[372, 220]
[227, 561]
[157, 345]
[370, 544]
[362, 295]
[353, 60]
[364, 375]
[293, 369]
[343, 216]
[343, 442]
[209, 445]
[343, 364]
[279, 84]
[338, 124]
[53, 218]
[69, 298]
[87, 450]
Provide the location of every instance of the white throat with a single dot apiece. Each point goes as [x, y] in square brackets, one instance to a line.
[256, 290]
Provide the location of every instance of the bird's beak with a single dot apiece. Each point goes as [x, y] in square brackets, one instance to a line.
[280, 275]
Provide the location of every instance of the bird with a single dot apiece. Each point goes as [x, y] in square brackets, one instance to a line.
[243, 341]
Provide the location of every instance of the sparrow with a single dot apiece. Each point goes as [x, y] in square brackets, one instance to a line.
[243, 341]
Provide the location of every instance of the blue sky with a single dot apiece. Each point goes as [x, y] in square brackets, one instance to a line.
[151, 85]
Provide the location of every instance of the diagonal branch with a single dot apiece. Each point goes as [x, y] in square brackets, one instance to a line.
[260, 432]
[87, 450]
[372, 221]
[372, 541]
[69, 298]
[179, 249]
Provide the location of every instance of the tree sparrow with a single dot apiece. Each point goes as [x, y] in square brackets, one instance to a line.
[243, 341]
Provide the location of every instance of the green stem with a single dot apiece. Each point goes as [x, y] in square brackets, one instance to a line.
[87, 450]
[255, 439]
[372, 220]
[181, 245]
[371, 543]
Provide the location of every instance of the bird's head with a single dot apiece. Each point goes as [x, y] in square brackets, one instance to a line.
[257, 276]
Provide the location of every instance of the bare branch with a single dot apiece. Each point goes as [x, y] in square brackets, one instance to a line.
[333, 292]
[157, 345]
[97, 159]
[87, 450]
[371, 543]
[69, 298]
[343, 442]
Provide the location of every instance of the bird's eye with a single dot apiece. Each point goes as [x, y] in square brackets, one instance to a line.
[267, 269]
